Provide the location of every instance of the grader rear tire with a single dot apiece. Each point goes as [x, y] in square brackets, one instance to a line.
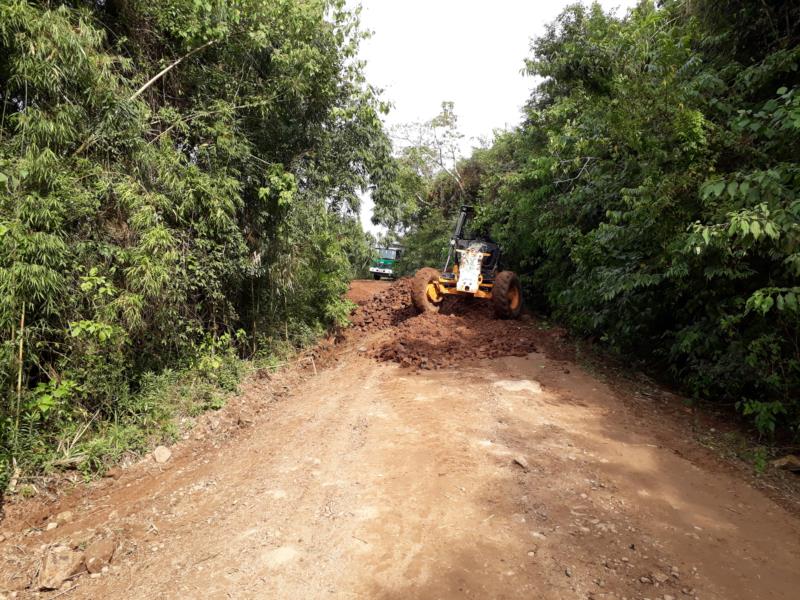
[507, 295]
[425, 290]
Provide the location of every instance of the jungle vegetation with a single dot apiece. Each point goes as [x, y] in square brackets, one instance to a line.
[650, 196]
[179, 188]
[179, 185]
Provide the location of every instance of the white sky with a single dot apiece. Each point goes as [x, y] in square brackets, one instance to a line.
[423, 52]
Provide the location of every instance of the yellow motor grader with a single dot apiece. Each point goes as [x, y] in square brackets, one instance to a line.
[471, 270]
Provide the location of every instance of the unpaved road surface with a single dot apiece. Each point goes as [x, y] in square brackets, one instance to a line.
[510, 477]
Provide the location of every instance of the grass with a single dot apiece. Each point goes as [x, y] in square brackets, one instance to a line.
[738, 445]
[164, 405]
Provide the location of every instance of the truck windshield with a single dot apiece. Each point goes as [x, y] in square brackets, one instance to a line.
[387, 253]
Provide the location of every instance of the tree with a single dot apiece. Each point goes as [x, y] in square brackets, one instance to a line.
[172, 172]
[651, 196]
[654, 156]
[425, 153]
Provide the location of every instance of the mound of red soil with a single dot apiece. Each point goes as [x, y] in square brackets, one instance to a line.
[387, 308]
[464, 329]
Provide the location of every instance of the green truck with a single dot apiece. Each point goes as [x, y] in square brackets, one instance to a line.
[385, 264]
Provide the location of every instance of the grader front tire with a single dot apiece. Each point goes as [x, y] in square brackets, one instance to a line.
[425, 290]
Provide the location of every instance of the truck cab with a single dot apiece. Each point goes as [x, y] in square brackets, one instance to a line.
[385, 262]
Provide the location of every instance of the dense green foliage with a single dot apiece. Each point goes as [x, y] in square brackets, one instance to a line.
[650, 198]
[179, 179]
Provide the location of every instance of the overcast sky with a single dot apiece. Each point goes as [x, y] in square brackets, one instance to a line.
[423, 52]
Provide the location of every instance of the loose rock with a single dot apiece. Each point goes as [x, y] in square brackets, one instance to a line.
[162, 454]
[520, 460]
[790, 462]
[60, 563]
[80, 539]
[99, 554]
[64, 517]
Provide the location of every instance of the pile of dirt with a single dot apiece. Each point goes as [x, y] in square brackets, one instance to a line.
[464, 329]
[387, 308]
[431, 341]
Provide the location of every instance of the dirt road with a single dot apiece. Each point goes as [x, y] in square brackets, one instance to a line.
[511, 477]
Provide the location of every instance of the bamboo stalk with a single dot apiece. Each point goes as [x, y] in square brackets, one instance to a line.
[168, 68]
[88, 141]
[19, 374]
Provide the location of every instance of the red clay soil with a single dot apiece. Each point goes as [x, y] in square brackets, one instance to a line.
[362, 290]
[343, 476]
[469, 330]
[385, 307]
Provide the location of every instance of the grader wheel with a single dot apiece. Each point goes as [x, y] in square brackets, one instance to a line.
[507, 295]
[425, 290]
